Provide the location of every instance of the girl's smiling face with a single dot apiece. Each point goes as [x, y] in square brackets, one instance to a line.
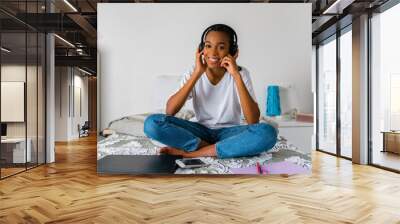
[216, 47]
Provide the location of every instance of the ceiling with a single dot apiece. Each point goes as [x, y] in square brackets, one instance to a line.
[76, 22]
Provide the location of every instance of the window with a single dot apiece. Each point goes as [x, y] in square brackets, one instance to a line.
[394, 118]
[327, 96]
[385, 85]
[22, 76]
[346, 93]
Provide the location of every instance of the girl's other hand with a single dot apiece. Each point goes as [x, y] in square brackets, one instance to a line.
[229, 63]
[201, 65]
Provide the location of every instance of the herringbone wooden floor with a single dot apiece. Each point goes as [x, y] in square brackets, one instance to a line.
[70, 191]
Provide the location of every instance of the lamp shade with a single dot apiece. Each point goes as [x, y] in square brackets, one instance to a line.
[273, 101]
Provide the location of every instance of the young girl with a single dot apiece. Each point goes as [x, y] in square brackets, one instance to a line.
[221, 91]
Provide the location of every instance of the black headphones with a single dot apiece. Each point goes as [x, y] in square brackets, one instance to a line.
[222, 28]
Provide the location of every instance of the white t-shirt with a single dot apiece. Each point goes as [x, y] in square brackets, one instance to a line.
[218, 106]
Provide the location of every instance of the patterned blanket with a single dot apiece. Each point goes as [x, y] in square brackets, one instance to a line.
[129, 139]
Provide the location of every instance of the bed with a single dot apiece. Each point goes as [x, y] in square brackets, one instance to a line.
[128, 139]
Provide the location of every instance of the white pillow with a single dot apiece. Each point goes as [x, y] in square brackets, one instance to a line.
[133, 125]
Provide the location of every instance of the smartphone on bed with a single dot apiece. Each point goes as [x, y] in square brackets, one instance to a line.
[190, 163]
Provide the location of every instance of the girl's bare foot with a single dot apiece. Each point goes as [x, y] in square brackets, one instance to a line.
[172, 151]
[208, 150]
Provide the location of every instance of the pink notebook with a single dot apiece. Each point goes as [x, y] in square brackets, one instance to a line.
[274, 168]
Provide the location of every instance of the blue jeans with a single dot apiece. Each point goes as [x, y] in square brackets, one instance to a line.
[236, 141]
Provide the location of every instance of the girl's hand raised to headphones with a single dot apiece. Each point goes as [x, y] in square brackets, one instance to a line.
[201, 65]
[229, 63]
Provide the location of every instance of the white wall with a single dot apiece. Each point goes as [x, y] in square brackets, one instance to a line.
[67, 114]
[61, 103]
[138, 42]
[79, 117]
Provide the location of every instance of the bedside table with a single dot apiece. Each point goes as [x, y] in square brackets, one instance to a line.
[297, 133]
